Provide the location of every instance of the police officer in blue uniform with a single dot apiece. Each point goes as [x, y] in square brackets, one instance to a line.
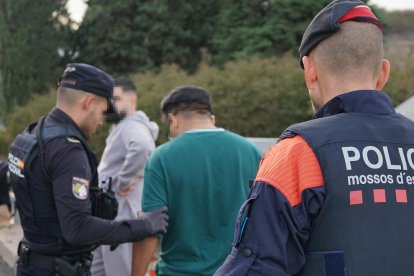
[335, 195]
[64, 215]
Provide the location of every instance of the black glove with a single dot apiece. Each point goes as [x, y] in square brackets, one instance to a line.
[149, 224]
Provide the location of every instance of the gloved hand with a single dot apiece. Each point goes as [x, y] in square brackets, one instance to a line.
[156, 222]
[151, 223]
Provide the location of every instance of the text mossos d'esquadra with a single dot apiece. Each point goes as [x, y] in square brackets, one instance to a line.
[379, 158]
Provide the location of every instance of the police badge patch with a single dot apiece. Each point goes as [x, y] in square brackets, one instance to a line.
[80, 187]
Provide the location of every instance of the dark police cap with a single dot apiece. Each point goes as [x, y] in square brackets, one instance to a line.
[328, 20]
[85, 77]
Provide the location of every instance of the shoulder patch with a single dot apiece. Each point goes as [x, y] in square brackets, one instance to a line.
[80, 187]
[291, 167]
[73, 140]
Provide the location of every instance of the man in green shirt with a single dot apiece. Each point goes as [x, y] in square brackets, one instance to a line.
[203, 177]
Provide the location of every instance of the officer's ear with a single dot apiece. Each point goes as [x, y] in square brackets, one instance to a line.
[87, 102]
[383, 75]
[310, 72]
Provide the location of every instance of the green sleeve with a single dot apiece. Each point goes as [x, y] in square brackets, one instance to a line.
[155, 189]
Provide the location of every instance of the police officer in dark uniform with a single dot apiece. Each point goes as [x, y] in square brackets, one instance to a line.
[335, 195]
[64, 215]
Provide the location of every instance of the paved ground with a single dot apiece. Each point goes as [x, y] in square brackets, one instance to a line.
[5, 269]
[9, 240]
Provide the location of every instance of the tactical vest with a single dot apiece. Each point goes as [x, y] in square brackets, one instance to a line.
[366, 224]
[34, 197]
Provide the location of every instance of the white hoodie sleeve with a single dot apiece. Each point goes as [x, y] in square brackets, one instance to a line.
[140, 144]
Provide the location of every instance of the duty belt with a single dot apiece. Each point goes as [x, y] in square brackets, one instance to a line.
[65, 265]
[32, 258]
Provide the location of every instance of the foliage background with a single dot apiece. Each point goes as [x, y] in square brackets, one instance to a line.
[30, 36]
[256, 97]
[253, 97]
[145, 35]
[243, 52]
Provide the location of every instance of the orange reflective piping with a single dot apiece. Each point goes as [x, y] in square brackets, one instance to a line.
[291, 167]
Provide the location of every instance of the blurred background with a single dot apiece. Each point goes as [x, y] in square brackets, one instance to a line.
[244, 52]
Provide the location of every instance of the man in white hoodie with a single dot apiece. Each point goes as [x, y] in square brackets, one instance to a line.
[128, 146]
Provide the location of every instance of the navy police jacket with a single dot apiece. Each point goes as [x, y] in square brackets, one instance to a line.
[334, 196]
[52, 192]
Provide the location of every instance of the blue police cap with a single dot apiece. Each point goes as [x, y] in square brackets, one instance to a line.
[85, 77]
[328, 20]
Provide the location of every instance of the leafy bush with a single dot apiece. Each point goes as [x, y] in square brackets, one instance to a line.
[399, 22]
[23, 115]
[400, 85]
[253, 97]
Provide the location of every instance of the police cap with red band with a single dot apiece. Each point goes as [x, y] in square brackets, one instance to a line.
[328, 20]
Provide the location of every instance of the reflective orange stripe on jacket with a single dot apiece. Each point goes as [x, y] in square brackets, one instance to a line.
[291, 167]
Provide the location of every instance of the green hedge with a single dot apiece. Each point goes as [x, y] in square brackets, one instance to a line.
[21, 116]
[400, 84]
[253, 97]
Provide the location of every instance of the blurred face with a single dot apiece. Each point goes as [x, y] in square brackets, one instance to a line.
[124, 101]
[95, 115]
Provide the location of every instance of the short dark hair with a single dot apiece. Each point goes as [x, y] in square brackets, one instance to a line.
[187, 98]
[126, 84]
[354, 50]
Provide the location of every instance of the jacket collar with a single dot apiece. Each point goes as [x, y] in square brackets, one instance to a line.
[360, 101]
[57, 116]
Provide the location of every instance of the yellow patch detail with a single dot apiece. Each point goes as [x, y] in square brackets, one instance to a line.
[77, 187]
